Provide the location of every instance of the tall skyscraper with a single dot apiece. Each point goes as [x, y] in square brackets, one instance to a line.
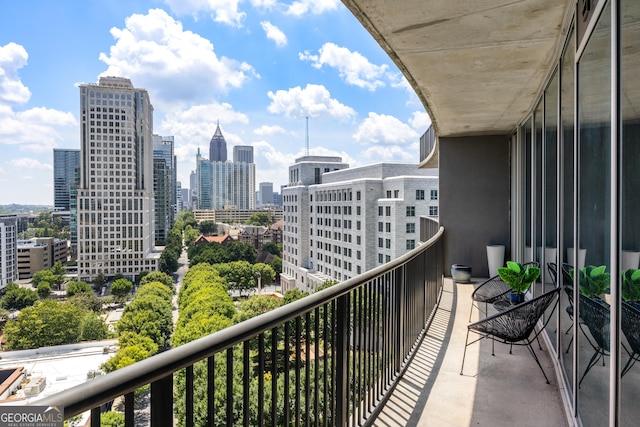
[193, 188]
[115, 195]
[266, 193]
[164, 186]
[220, 183]
[65, 162]
[243, 154]
[218, 146]
[8, 249]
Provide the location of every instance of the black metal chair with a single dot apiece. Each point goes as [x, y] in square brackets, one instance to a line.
[568, 289]
[631, 330]
[488, 292]
[515, 326]
[594, 316]
[492, 290]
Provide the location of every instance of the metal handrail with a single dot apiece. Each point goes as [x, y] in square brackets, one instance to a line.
[90, 395]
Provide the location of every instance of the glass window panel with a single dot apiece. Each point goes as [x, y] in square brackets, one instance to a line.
[567, 140]
[630, 205]
[594, 218]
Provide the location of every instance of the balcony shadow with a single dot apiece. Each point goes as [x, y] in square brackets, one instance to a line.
[501, 390]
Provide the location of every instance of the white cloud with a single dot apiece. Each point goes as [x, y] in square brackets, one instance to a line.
[193, 128]
[384, 130]
[174, 65]
[30, 164]
[420, 121]
[274, 33]
[36, 130]
[269, 130]
[264, 4]
[223, 11]
[273, 165]
[353, 67]
[312, 101]
[12, 57]
[391, 153]
[316, 7]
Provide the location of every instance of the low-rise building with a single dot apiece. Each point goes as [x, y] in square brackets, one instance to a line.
[40, 253]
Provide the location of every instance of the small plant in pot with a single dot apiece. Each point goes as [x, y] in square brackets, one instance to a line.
[631, 287]
[593, 281]
[519, 278]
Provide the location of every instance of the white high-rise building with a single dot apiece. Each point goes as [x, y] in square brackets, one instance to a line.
[115, 202]
[354, 220]
[306, 171]
[8, 249]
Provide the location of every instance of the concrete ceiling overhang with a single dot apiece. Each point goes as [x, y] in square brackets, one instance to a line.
[476, 65]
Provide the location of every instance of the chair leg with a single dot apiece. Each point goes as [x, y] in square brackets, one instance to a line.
[594, 359]
[569, 346]
[535, 357]
[464, 353]
[629, 364]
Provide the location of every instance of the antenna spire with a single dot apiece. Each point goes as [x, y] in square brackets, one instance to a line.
[306, 138]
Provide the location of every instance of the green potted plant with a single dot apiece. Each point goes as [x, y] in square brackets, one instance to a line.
[519, 278]
[593, 281]
[631, 287]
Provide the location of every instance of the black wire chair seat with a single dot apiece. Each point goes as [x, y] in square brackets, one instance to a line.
[631, 330]
[594, 316]
[492, 290]
[568, 289]
[515, 326]
[489, 292]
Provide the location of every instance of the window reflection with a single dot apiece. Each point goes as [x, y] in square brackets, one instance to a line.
[630, 207]
[594, 214]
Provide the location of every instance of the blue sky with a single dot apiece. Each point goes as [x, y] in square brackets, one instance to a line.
[258, 66]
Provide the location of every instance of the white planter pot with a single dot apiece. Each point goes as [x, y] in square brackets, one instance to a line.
[550, 255]
[630, 259]
[582, 256]
[495, 258]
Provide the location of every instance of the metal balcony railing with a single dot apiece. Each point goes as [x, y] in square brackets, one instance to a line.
[328, 359]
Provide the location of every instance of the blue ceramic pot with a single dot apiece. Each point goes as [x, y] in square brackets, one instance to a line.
[516, 298]
[461, 273]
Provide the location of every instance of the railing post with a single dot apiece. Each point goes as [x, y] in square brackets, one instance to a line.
[162, 401]
[342, 348]
[399, 310]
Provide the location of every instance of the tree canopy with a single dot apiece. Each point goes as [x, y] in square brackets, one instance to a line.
[46, 323]
[17, 298]
[260, 218]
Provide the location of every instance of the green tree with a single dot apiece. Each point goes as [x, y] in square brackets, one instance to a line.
[59, 272]
[208, 227]
[99, 281]
[238, 275]
[260, 218]
[17, 298]
[42, 276]
[241, 251]
[121, 288]
[46, 323]
[266, 273]
[44, 290]
[92, 327]
[190, 235]
[111, 419]
[272, 248]
[158, 276]
[293, 295]
[86, 301]
[276, 264]
[74, 288]
[256, 305]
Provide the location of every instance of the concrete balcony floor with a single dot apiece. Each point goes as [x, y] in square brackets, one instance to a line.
[501, 390]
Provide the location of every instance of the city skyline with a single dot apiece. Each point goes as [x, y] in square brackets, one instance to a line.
[259, 68]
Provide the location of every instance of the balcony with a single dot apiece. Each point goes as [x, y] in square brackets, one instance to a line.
[383, 348]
